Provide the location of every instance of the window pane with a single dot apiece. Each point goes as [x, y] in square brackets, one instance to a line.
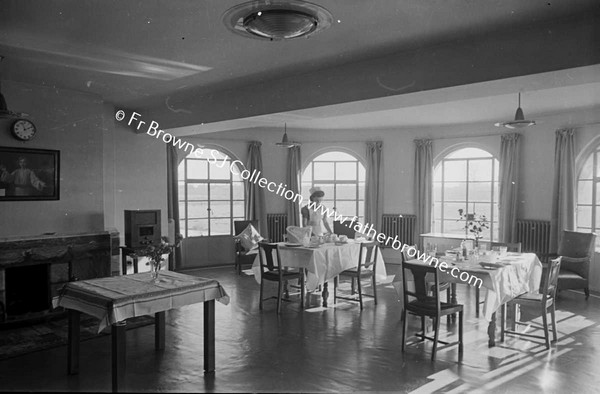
[181, 171]
[361, 190]
[345, 171]
[324, 171]
[197, 227]
[182, 228]
[238, 190]
[480, 170]
[238, 209]
[496, 191]
[220, 191]
[587, 169]
[197, 191]
[468, 153]
[584, 192]
[347, 192]
[455, 170]
[220, 209]
[181, 190]
[597, 163]
[450, 210]
[327, 189]
[335, 156]
[182, 209]
[329, 204]
[346, 208]
[437, 191]
[198, 209]
[197, 169]
[454, 227]
[584, 216]
[218, 173]
[437, 210]
[307, 175]
[482, 209]
[455, 191]
[361, 209]
[437, 173]
[361, 172]
[220, 226]
[598, 195]
[480, 191]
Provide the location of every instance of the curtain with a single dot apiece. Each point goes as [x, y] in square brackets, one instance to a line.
[173, 204]
[563, 194]
[256, 208]
[373, 184]
[423, 186]
[293, 184]
[509, 186]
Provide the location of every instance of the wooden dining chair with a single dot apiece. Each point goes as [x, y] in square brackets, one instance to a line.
[544, 301]
[276, 273]
[510, 247]
[366, 268]
[419, 302]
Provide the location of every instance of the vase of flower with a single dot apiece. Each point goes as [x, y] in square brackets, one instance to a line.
[474, 224]
[157, 253]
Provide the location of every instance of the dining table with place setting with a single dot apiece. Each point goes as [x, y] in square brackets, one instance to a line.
[323, 258]
[505, 275]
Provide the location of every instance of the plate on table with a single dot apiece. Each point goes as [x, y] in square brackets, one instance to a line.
[340, 243]
[292, 245]
[490, 266]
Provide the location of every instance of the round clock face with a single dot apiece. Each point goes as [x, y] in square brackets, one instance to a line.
[23, 129]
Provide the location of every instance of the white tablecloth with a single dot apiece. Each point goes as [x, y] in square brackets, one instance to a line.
[322, 263]
[522, 275]
[117, 298]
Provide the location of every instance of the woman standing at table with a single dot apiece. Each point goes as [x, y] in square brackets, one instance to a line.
[312, 214]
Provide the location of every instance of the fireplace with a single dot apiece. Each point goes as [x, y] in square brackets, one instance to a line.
[34, 268]
[27, 289]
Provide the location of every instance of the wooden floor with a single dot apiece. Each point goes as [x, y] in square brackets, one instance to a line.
[337, 349]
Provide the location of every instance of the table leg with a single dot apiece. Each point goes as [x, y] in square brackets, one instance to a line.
[492, 331]
[325, 294]
[209, 336]
[124, 263]
[135, 265]
[118, 351]
[73, 342]
[159, 330]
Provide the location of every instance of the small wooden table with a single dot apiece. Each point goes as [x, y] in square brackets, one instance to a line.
[116, 299]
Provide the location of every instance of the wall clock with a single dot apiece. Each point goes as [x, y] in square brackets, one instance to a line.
[23, 129]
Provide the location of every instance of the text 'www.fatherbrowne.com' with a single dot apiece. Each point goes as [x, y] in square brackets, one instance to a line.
[280, 189]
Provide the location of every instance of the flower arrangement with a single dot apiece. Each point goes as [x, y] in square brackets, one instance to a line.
[156, 252]
[474, 224]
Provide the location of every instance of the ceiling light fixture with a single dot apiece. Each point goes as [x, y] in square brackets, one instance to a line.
[519, 122]
[5, 113]
[277, 19]
[285, 142]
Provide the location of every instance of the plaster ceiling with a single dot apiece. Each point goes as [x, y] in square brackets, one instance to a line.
[133, 52]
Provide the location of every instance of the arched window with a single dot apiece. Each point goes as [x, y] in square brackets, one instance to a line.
[465, 179]
[588, 195]
[211, 196]
[342, 177]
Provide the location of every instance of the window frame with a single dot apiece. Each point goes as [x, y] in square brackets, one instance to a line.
[594, 156]
[359, 201]
[494, 190]
[185, 200]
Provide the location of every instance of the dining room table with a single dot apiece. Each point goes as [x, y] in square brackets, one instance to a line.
[322, 262]
[504, 276]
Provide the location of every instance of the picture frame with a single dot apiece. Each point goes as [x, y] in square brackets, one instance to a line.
[29, 174]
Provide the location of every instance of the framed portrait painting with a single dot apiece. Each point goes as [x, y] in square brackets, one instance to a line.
[29, 174]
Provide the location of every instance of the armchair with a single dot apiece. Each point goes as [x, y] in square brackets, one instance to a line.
[576, 250]
[242, 256]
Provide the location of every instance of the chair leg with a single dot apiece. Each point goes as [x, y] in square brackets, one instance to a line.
[546, 334]
[502, 321]
[553, 314]
[423, 327]
[353, 288]
[460, 333]
[374, 290]
[279, 295]
[260, 302]
[359, 292]
[404, 328]
[587, 292]
[436, 324]
[477, 302]
[448, 300]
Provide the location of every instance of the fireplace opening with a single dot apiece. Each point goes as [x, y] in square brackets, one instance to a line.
[27, 289]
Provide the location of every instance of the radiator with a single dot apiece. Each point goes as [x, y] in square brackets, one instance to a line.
[402, 226]
[276, 224]
[534, 236]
